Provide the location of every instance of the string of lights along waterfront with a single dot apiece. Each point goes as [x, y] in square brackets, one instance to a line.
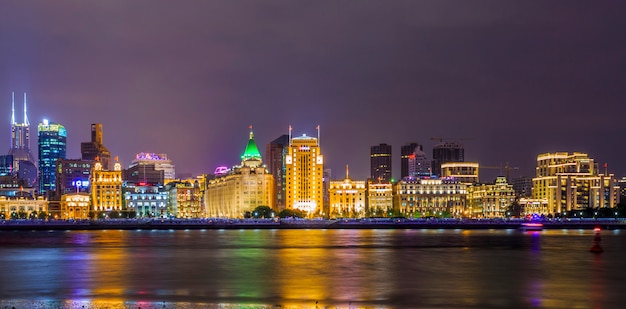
[291, 179]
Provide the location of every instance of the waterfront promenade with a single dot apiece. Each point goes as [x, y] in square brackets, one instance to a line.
[368, 223]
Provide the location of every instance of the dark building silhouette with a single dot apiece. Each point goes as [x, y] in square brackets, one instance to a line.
[72, 175]
[95, 148]
[447, 152]
[380, 162]
[406, 152]
[275, 153]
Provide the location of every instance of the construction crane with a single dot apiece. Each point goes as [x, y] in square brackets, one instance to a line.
[506, 168]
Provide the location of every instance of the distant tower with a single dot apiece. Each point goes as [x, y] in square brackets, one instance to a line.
[305, 172]
[406, 152]
[23, 162]
[96, 149]
[380, 162]
[447, 152]
[52, 146]
[275, 153]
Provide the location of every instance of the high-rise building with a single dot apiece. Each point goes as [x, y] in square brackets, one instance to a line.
[380, 162]
[150, 168]
[445, 152]
[347, 198]
[419, 164]
[573, 182]
[305, 173]
[406, 152]
[95, 149]
[106, 187]
[244, 188]
[52, 146]
[275, 153]
[523, 186]
[23, 162]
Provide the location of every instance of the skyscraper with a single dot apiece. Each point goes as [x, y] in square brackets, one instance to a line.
[23, 162]
[445, 152]
[275, 153]
[52, 146]
[380, 162]
[305, 172]
[95, 148]
[153, 168]
[406, 152]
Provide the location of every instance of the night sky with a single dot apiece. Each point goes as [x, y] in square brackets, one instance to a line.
[187, 78]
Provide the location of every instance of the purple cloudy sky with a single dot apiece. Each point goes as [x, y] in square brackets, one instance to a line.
[186, 78]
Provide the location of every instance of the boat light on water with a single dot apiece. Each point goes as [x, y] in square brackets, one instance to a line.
[532, 226]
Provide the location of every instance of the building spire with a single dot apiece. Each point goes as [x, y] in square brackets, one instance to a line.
[25, 115]
[347, 172]
[12, 108]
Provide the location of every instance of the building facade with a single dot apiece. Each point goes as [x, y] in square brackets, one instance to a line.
[465, 172]
[75, 206]
[379, 202]
[106, 188]
[73, 175]
[489, 200]
[573, 182]
[430, 197]
[246, 187]
[381, 162]
[22, 207]
[52, 146]
[153, 168]
[185, 199]
[275, 153]
[305, 172]
[147, 200]
[347, 198]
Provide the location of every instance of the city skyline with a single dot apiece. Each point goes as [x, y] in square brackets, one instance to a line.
[515, 79]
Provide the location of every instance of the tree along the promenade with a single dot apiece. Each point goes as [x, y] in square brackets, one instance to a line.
[263, 212]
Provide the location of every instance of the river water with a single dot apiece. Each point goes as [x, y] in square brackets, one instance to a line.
[312, 269]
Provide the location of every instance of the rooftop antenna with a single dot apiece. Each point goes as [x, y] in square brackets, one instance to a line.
[289, 135]
[318, 134]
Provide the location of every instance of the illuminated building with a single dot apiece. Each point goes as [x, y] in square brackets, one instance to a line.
[147, 200]
[95, 150]
[445, 152]
[244, 188]
[622, 186]
[185, 199]
[347, 198]
[430, 197]
[465, 172]
[572, 182]
[75, 206]
[72, 175]
[22, 207]
[106, 187]
[406, 152]
[275, 153]
[23, 162]
[52, 145]
[11, 186]
[489, 200]
[150, 168]
[530, 206]
[305, 173]
[379, 198]
[6, 165]
[380, 162]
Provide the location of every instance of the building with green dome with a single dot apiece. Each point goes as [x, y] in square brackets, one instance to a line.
[244, 188]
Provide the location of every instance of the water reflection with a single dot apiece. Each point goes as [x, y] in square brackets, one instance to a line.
[299, 268]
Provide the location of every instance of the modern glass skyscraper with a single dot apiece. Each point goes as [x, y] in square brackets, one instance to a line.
[52, 146]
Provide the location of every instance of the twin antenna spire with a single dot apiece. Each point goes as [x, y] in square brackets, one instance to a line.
[13, 110]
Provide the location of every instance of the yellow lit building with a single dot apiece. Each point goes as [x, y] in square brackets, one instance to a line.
[185, 199]
[106, 188]
[572, 181]
[243, 189]
[465, 172]
[347, 198]
[431, 197]
[75, 206]
[379, 198]
[304, 175]
[534, 206]
[490, 200]
[22, 206]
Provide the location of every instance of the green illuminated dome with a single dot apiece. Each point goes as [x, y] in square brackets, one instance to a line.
[251, 152]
